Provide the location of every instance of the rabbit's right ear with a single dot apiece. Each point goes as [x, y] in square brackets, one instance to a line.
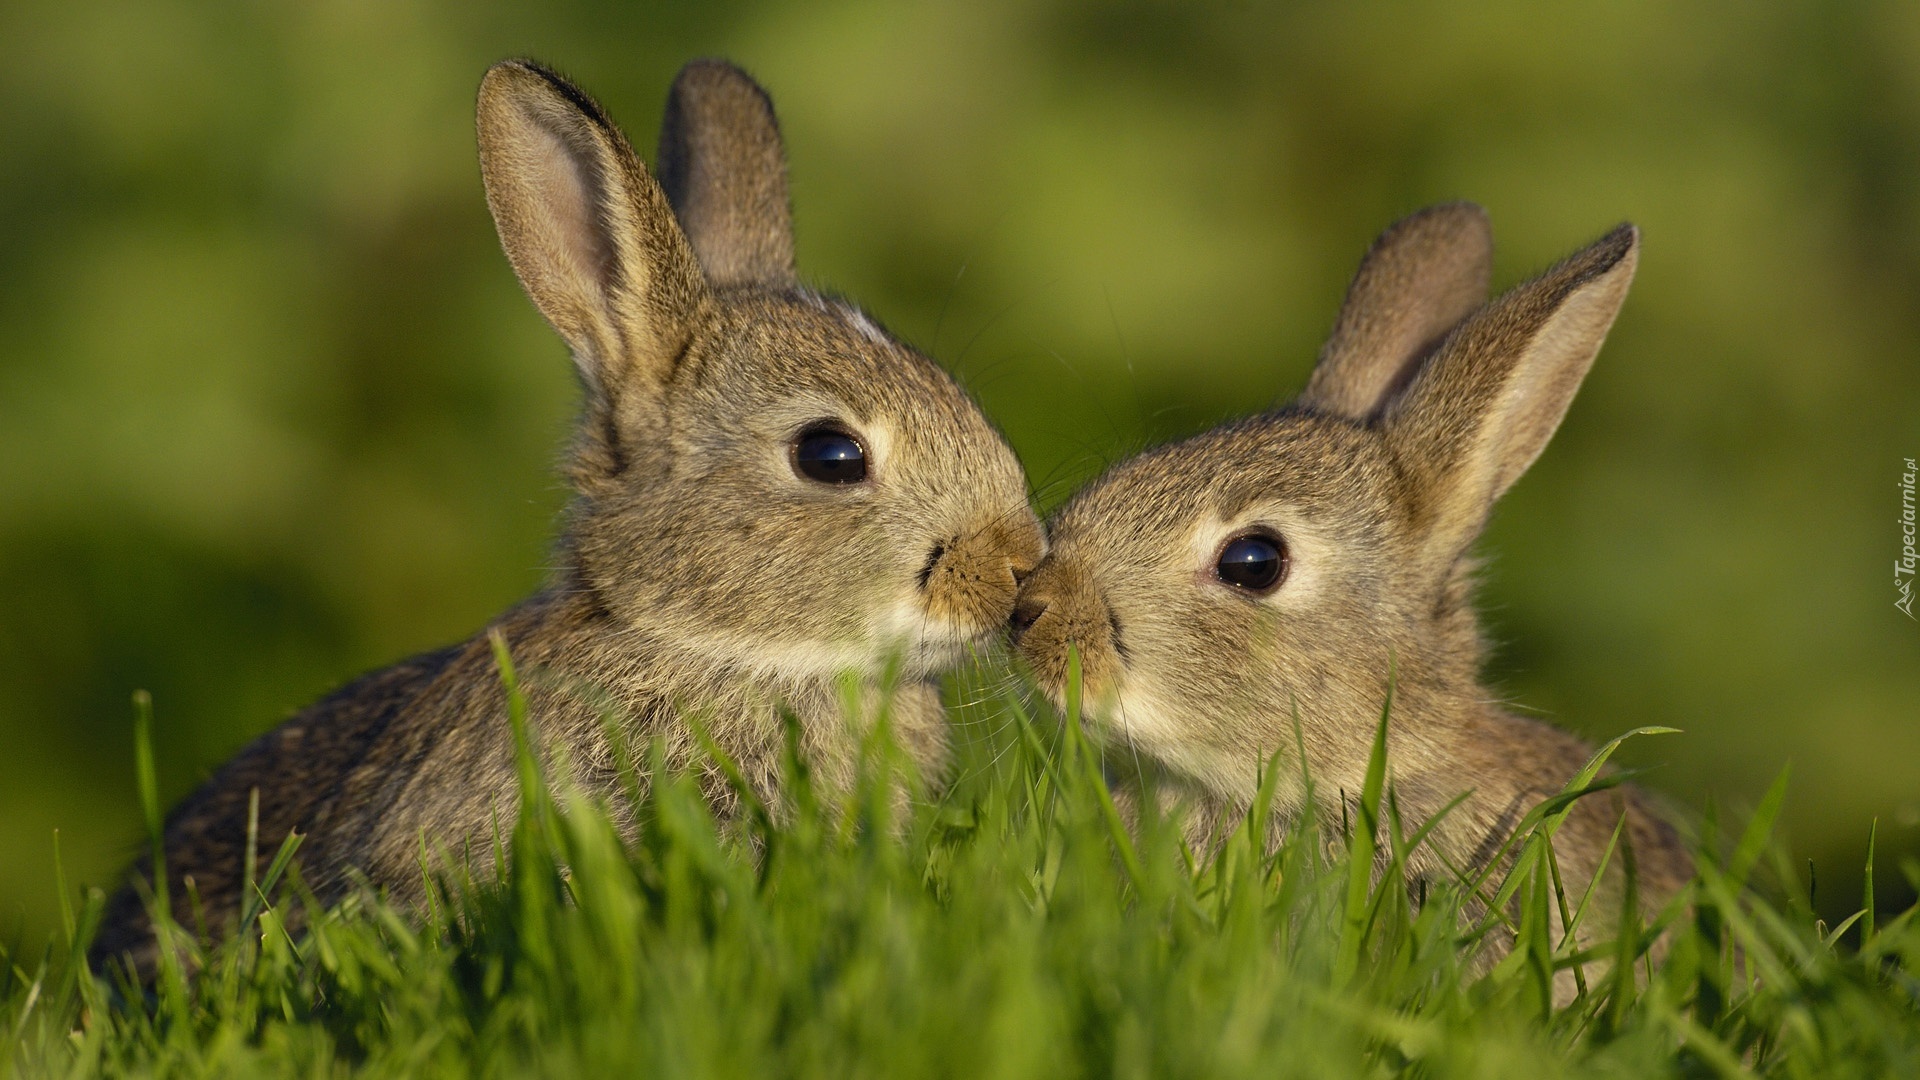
[589, 233]
[725, 172]
[1482, 408]
[1424, 275]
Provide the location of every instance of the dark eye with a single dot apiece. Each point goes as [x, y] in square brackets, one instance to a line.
[1255, 562]
[830, 456]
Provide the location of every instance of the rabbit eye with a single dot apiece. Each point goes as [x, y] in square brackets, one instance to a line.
[829, 456]
[1256, 562]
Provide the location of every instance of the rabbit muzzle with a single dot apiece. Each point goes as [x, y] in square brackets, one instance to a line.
[971, 580]
[1060, 611]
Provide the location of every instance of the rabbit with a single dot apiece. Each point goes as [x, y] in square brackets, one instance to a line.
[1284, 564]
[769, 492]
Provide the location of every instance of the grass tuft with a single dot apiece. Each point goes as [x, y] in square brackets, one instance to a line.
[1014, 927]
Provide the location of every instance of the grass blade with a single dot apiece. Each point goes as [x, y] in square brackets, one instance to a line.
[1362, 842]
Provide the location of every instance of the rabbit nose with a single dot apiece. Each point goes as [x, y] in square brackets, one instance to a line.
[933, 563]
[1025, 614]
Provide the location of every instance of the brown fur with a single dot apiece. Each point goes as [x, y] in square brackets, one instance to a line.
[1426, 405]
[698, 571]
[722, 167]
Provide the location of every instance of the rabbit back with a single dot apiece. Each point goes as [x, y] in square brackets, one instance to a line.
[304, 775]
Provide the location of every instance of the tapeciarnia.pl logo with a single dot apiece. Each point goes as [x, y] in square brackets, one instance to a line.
[1903, 566]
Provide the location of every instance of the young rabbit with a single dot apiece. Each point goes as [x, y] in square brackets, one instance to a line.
[770, 492]
[1284, 564]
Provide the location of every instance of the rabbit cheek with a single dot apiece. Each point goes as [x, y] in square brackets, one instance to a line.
[1180, 726]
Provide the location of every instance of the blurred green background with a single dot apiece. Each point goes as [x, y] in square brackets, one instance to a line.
[273, 410]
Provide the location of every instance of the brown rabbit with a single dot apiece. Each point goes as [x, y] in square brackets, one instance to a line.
[771, 492]
[1290, 561]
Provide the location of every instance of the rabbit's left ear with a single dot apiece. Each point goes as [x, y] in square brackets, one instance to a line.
[725, 172]
[1479, 412]
[1425, 274]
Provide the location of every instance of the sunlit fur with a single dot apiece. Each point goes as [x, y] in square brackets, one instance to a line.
[1427, 404]
[698, 576]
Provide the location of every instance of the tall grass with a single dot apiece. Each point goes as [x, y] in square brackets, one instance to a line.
[1012, 928]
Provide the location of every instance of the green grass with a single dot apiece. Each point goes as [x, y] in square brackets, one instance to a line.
[1011, 928]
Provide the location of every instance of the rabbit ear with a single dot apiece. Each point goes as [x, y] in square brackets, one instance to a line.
[1423, 275]
[723, 168]
[1483, 407]
[588, 232]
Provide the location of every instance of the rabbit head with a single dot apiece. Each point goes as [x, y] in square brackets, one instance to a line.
[1281, 566]
[765, 478]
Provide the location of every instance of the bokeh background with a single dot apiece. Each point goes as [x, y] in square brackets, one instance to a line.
[273, 410]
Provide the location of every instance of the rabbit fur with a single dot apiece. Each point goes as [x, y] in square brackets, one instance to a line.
[1426, 404]
[698, 570]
